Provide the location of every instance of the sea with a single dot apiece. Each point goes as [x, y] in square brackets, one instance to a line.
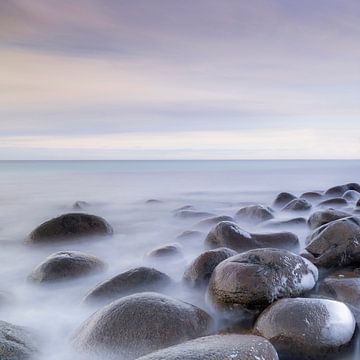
[32, 192]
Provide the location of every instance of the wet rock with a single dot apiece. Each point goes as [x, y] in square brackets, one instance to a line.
[66, 265]
[254, 214]
[70, 226]
[166, 251]
[206, 223]
[190, 234]
[351, 195]
[335, 244]
[334, 202]
[218, 347]
[230, 235]
[80, 205]
[358, 204]
[130, 282]
[153, 202]
[283, 199]
[284, 224]
[323, 217]
[192, 214]
[311, 196]
[199, 271]
[341, 189]
[16, 342]
[140, 324]
[297, 205]
[248, 282]
[306, 328]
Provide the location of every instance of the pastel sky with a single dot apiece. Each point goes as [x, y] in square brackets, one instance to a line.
[169, 79]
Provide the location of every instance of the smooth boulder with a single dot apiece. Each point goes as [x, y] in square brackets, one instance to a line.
[283, 199]
[218, 347]
[209, 222]
[17, 343]
[322, 217]
[165, 251]
[140, 324]
[129, 282]
[70, 226]
[333, 202]
[339, 190]
[250, 281]
[254, 214]
[306, 328]
[351, 195]
[311, 195]
[335, 244]
[297, 205]
[66, 265]
[229, 234]
[199, 271]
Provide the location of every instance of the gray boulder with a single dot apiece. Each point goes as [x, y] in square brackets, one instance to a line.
[218, 347]
[333, 202]
[322, 217]
[283, 199]
[311, 196]
[341, 189]
[230, 235]
[209, 222]
[199, 271]
[166, 251]
[306, 328]
[140, 324]
[297, 205]
[16, 342]
[351, 195]
[66, 265]
[130, 282]
[250, 281]
[254, 214]
[70, 226]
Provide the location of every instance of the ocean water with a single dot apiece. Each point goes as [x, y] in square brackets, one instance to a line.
[34, 191]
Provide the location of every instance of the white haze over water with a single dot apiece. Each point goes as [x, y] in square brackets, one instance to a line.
[32, 192]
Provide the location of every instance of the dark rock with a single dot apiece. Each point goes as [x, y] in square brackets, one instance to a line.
[306, 328]
[65, 265]
[311, 196]
[297, 205]
[323, 217]
[358, 204]
[351, 195]
[153, 202]
[218, 347]
[283, 199]
[166, 251]
[335, 244]
[140, 324]
[254, 214]
[334, 202]
[341, 189]
[16, 342]
[130, 282]
[192, 214]
[199, 271]
[190, 234]
[230, 235]
[69, 226]
[206, 223]
[80, 205]
[250, 281]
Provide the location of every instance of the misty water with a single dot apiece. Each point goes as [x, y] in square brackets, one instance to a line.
[32, 192]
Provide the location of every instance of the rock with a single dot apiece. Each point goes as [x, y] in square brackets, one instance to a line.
[130, 282]
[218, 347]
[185, 207]
[297, 205]
[192, 214]
[290, 223]
[306, 328]
[351, 195]
[165, 251]
[334, 202]
[190, 234]
[335, 244]
[341, 189]
[254, 214]
[80, 205]
[229, 234]
[66, 265]
[153, 202]
[358, 204]
[199, 271]
[70, 226]
[311, 196]
[139, 324]
[16, 342]
[250, 281]
[206, 223]
[323, 217]
[283, 199]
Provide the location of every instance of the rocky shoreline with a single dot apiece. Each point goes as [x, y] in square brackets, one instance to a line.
[266, 295]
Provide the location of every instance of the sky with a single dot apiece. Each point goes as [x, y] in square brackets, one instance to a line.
[167, 79]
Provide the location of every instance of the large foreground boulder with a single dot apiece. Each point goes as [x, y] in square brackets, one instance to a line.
[130, 282]
[250, 281]
[218, 347]
[335, 244]
[254, 214]
[199, 271]
[16, 343]
[139, 324]
[228, 234]
[66, 265]
[319, 218]
[70, 226]
[306, 328]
